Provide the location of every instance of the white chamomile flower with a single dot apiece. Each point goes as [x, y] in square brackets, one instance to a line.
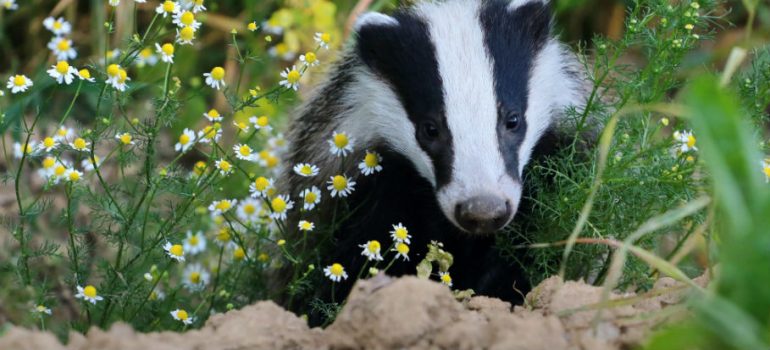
[370, 164]
[210, 133]
[244, 152]
[310, 197]
[340, 186]
[167, 8]
[182, 315]
[215, 78]
[309, 59]
[195, 278]
[194, 243]
[291, 78]
[445, 278]
[323, 39]
[282, 51]
[146, 58]
[62, 72]
[335, 272]
[402, 250]
[64, 134]
[49, 144]
[686, 141]
[222, 206]
[174, 251]
[261, 123]
[41, 309]
[278, 143]
[88, 294]
[18, 83]
[80, 144]
[19, 151]
[58, 26]
[280, 205]
[305, 226]
[198, 6]
[341, 144]
[248, 210]
[85, 74]
[766, 169]
[166, 52]
[372, 250]
[225, 168]
[400, 234]
[186, 19]
[9, 5]
[186, 140]
[185, 36]
[125, 138]
[46, 170]
[60, 171]
[213, 115]
[260, 187]
[88, 163]
[306, 170]
[73, 175]
[242, 127]
[62, 49]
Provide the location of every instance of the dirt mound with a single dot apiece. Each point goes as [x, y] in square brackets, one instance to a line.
[387, 313]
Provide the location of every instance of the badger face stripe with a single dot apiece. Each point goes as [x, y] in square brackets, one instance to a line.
[402, 53]
[513, 36]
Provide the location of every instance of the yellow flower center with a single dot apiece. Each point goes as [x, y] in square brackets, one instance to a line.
[122, 76]
[402, 248]
[249, 209]
[223, 205]
[278, 204]
[326, 37]
[40, 308]
[305, 225]
[262, 121]
[79, 143]
[19, 80]
[187, 33]
[181, 314]
[194, 240]
[261, 183]
[213, 113]
[146, 52]
[57, 25]
[85, 74]
[373, 246]
[74, 176]
[125, 138]
[244, 150]
[281, 49]
[89, 291]
[218, 73]
[293, 76]
[167, 49]
[239, 253]
[184, 139]
[690, 141]
[371, 160]
[187, 18]
[310, 57]
[341, 140]
[263, 257]
[242, 125]
[62, 67]
[169, 6]
[339, 182]
[767, 171]
[401, 233]
[176, 250]
[223, 235]
[48, 142]
[113, 70]
[224, 165]
[336, 269]
[48, 162]
[63, 45]
[200, 167]
[252, 26]
[446, 278]
[195, 277]
[60, 170]
[272, 161]
[311, 197]
[306, 170]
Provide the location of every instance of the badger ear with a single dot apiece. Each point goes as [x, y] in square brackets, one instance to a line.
[373, 19]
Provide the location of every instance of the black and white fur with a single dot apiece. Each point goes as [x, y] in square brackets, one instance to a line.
[454, 95]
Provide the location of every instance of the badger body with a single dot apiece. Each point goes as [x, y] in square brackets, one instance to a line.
[454, 96]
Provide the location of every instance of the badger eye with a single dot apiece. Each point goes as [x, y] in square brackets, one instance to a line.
[430, 130]
[512, 121]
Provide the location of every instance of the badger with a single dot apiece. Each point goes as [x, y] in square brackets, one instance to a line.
[454, 96]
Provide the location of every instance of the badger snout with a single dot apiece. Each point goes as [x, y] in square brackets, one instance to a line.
[484, 213]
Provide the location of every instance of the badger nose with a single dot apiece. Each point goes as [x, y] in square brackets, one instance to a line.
[483, 214]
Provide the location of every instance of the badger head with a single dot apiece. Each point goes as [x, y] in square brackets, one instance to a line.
[464, 89]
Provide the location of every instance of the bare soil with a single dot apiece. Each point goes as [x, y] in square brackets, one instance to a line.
[410, 313]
